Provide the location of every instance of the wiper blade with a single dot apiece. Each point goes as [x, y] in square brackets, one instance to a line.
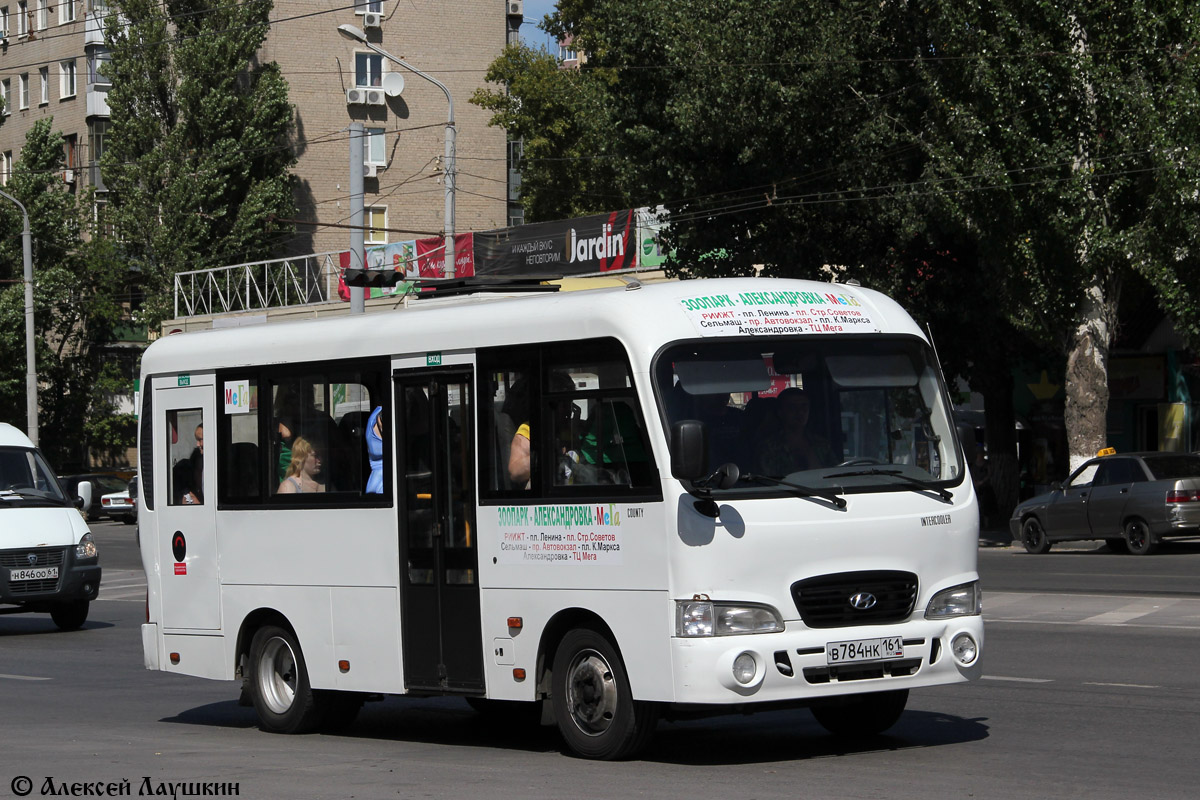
[831, 495]
[919, 483]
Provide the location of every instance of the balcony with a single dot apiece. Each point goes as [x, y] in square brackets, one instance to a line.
[93, 27]
[95, 178]
[97, 99]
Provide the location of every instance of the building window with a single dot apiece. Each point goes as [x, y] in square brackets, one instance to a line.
[23, 18]
[374, 151]
[24, 88]
[71, 150]
[43, 15]
[66, 11]
[4, 21]
[66, 78]
[98, 60]
[368, 69]
[375, 220]
[5, 92]
[6, 165]
[364, 6]
[44, 74]
[97, 131]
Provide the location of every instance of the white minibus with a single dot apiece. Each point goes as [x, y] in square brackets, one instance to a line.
[623, 504]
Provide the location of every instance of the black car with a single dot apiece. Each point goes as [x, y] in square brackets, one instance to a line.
[102, 483]
[1130, 500]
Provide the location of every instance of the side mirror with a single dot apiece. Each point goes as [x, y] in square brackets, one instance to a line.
[84, 500]
[689, 450]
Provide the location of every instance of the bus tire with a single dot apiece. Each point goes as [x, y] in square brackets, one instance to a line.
[71, 615]
[283, 698]
[593, 705]
[861, 714]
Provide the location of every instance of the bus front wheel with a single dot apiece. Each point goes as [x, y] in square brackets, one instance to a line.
[861, 714]
[282, 696]
[593, 704]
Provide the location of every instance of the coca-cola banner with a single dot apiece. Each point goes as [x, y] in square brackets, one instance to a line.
[579, 246]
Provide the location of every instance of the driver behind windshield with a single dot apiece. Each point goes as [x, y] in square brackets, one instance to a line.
[789, 446]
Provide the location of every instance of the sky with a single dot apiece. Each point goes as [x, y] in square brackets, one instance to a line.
[534, 11]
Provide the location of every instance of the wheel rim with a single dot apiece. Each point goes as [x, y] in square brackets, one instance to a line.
[591, 693]
[1033, 533]
[1136, 536]
[277, 675]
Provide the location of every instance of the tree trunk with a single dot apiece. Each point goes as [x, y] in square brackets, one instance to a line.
[1086, 413]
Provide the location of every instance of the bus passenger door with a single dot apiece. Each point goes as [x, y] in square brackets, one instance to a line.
[442, 635]
[186, 513]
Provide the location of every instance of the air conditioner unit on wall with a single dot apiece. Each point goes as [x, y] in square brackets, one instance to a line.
[370, 170]
[372, 19]
[516, 8]
[354, 96]
[68, 176]
[376, 97]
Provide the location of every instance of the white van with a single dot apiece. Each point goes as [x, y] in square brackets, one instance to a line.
[48, 558]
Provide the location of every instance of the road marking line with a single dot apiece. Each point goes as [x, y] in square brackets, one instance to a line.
[996, 620]
[1128, 612]
[1122, 685]
[23, 677]
[1017, 680]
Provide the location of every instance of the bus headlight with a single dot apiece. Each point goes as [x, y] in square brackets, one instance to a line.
[964, 600]
[705, 618]
[86, 548]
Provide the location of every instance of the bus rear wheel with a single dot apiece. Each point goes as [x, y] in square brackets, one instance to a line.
[861, 714]
[283, 698]
[593, 704]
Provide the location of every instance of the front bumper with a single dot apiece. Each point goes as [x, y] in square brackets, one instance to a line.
[792, 665]
[75, 581]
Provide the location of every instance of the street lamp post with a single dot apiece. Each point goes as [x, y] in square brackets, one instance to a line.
[357, 35]
[31, 404]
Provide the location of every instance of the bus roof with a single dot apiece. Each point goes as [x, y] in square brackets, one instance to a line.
[643, 317]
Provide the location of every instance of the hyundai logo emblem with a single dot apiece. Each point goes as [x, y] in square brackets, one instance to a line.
[863, 601]
[32, 558]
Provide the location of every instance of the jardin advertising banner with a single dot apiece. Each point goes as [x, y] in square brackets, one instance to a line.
[579, 246]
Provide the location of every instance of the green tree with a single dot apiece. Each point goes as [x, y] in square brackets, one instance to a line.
[1002, 168]
[199, 150]
[78, 283]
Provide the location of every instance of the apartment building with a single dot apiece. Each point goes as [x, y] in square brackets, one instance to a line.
[52, 53]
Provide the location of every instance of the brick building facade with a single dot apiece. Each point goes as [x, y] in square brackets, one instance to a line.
[53, 50]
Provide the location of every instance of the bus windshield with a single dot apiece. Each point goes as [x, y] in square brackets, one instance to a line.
[823, 412]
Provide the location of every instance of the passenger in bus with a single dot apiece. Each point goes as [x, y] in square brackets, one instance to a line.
[304, 471]
[188, 474]
[792, 448]
[375, 451]
[723, 424]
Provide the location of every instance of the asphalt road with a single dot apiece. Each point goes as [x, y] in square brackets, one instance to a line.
[1089, 691]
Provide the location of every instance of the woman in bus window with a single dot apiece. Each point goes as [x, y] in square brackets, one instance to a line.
[303, 472]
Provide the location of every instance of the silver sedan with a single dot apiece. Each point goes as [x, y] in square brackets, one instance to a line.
[1130, 500]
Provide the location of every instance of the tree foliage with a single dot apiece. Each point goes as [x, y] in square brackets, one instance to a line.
[1001, 167]
[78, 283]
[199, 153]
